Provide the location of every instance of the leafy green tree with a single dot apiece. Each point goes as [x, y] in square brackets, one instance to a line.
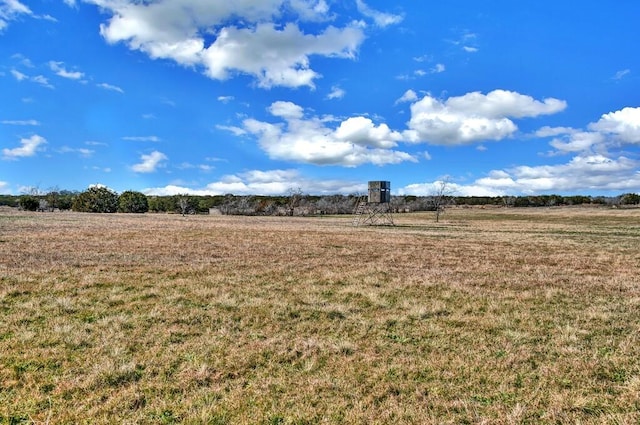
[156, 204]
[133, 202]
[522, 201]
[98, 199]
[52, 198]
[9, 200]
[29, 202]
[65, 199]
[60, 199]
[630, 199]
[577, 200]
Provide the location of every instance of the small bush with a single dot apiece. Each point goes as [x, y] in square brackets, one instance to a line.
[98, 199]
[29, 203]
[133, 202]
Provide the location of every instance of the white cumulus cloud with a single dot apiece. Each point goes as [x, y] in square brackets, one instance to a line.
[28, 147]
[623, 124]
[227, 38]
[613, 129]
[259, 182]
[362, 131]
[453, 189]
[309, 139]
[149, 163]
[408, 96]
[577, 141]
[276, 57]
[336, 93]
[582, 172]
[474, 116]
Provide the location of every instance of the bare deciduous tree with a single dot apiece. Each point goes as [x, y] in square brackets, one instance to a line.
[183, 204]
[295, 198]
[441, 197]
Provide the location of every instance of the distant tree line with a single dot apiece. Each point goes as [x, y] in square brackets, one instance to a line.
[100, 199]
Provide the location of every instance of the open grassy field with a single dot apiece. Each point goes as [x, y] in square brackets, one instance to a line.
[497, 316]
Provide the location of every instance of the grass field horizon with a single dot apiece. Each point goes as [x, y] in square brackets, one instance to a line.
[501, 316]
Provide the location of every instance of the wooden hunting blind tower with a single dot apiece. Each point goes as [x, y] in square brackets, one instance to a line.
[374, 209]
[379, 192]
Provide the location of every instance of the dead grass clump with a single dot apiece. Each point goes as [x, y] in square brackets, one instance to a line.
[490, 316]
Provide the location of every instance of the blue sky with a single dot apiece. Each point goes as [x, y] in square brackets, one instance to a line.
[265, 96]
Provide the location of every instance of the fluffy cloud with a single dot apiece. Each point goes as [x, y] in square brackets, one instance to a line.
[355, 141]
[257, 182]
[473, 117]
[276, 57]
[10, 10]
[362, 131]
[624, 125]
[408, 96]
[336, 93]
[286, 110]
[247, 36]
[149, 162]
[29, 147]
[577, 141]
[582, 173]
[547, 131]
[612, 129]
[455, 189]
[593, 168]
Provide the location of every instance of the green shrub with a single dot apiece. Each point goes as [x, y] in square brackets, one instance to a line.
[133, 202]
[29, 203]
[98, 199]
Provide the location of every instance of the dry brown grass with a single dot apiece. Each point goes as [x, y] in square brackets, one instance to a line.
[490, 316]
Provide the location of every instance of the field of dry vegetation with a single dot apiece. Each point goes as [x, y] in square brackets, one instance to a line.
[498, 316]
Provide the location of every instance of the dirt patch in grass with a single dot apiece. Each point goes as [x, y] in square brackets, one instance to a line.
[490, 316]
